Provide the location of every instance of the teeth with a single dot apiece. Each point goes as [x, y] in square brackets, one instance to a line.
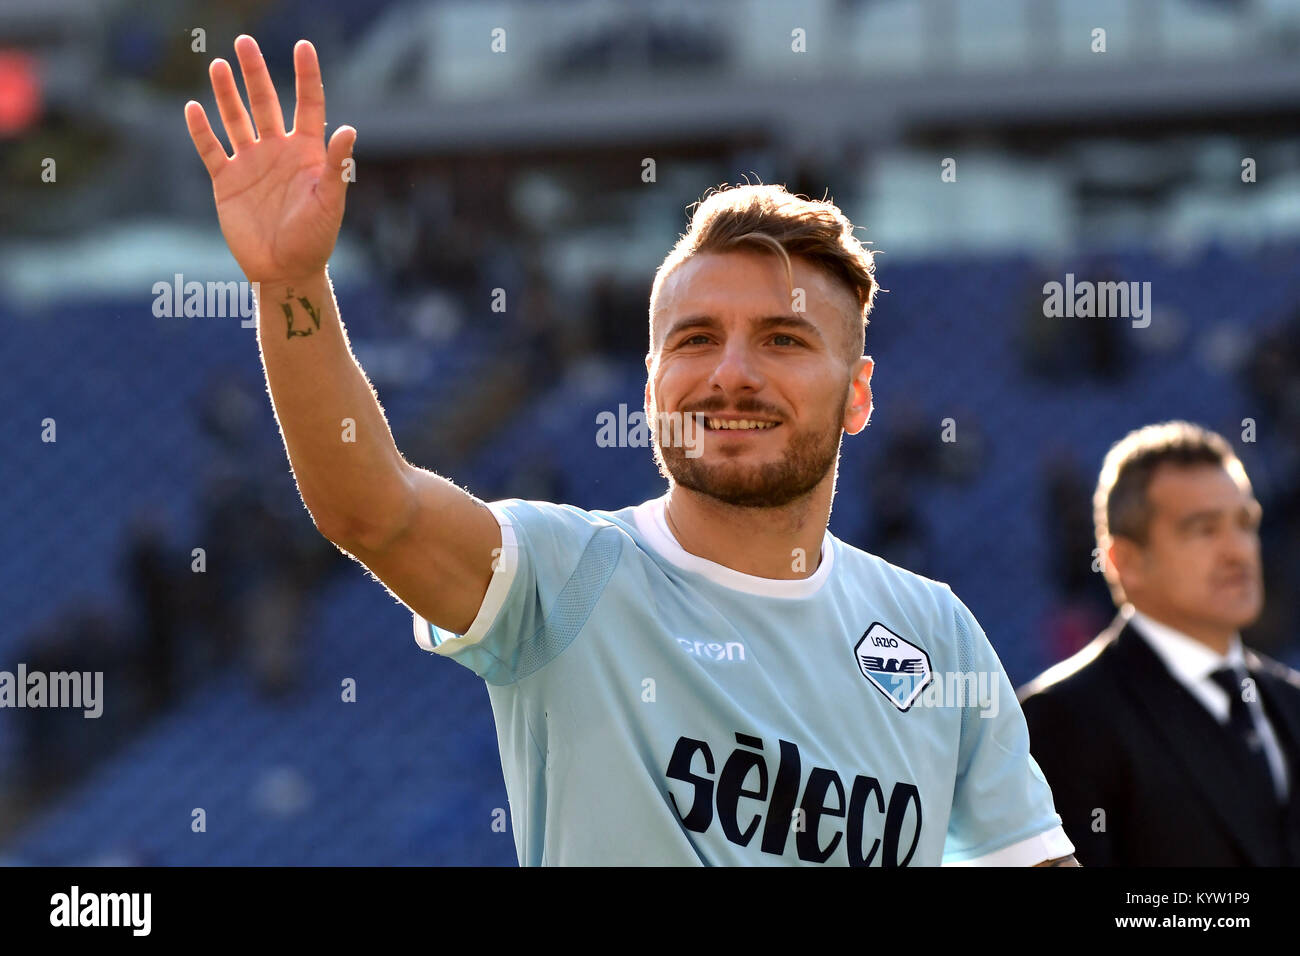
[742, 423]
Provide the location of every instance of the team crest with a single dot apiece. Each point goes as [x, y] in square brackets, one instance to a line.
[897, 667]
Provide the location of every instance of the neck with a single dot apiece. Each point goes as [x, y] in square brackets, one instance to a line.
[782, 543]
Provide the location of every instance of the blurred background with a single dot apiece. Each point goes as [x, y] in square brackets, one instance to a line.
[1165, 150]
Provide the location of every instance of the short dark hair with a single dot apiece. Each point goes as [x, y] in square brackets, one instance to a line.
[768, 217]
[1121, 507]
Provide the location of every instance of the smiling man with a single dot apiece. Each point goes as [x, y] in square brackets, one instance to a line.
[709, 677]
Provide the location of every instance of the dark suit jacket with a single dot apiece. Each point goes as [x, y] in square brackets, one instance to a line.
[1114, 731]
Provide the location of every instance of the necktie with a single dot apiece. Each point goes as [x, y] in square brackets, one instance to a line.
[1242, 725]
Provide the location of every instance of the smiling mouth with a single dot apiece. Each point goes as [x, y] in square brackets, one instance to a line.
[740, 424]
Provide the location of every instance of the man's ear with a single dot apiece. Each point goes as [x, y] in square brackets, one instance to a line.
[858, 412]
[1124, 557]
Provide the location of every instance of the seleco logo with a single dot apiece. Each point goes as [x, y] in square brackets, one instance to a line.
[876, 814]
[895, 666]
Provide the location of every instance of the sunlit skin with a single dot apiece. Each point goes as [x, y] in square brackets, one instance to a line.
[1199, 571]
[727, 341]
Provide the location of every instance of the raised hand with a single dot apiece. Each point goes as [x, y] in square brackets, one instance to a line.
[280, 197]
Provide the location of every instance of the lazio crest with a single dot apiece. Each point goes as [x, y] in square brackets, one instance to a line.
[898, 668]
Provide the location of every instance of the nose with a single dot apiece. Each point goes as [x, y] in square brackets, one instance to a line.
[736, 370]
[1241, 546]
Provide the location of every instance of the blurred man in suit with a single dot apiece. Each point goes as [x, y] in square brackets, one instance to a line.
[1165, 741]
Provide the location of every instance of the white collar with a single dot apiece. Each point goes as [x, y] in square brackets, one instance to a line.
[1187, 658]
[651, 521]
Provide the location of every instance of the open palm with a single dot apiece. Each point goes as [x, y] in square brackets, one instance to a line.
[280, 197]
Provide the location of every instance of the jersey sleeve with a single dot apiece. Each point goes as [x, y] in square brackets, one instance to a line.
[1002, 810]
[555, 560]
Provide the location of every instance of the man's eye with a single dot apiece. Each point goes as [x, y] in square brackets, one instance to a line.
[782, 335]
[692, 339]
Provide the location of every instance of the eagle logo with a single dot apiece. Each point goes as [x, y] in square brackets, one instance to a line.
[894, 665]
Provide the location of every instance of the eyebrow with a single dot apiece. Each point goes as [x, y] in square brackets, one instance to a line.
[1251, 507]
[760, 325]
[1186, 521]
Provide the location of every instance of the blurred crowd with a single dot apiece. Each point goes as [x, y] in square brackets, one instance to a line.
[235, 599]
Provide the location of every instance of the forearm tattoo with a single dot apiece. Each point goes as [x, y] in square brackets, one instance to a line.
[287, 306]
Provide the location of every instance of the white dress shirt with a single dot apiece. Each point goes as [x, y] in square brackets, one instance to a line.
[1191, 663]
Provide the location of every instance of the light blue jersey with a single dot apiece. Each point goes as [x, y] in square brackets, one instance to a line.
[656, 708]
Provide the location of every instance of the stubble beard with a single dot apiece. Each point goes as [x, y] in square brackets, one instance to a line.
[809, 456]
